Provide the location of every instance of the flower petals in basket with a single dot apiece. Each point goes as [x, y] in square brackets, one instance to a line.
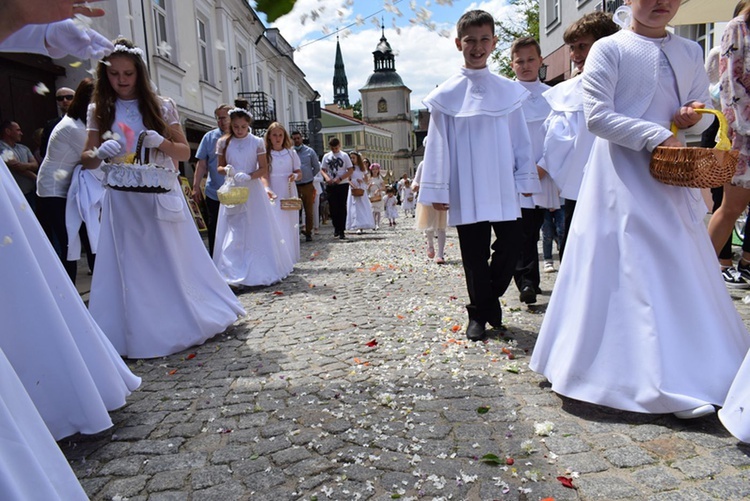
[133, 175]
[696, 167]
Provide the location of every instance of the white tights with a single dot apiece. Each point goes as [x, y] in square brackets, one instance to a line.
[430, 236]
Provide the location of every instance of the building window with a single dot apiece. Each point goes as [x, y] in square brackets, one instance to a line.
[382, 105]
[259, 78]
[348, 141]
[242, 71]
[203, 51]
[552, 12]
[272, 87]
[160, 27]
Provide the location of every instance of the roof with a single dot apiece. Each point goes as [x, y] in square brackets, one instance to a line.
[381, 79]
[353, 120]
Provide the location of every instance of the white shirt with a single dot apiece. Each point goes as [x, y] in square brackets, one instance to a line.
[66, 143]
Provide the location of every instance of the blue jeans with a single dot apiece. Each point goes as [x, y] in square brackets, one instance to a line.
[553, 227]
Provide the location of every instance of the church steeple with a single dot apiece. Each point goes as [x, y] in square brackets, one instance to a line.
[340, 83]
[383, 55]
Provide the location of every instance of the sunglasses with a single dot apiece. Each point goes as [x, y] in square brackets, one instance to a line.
[64, 98]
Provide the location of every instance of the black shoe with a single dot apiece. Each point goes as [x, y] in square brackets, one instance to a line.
[475, 331]
[528, 295]
[498, 325]
[335, 233]
[342, 236]
[308, 238]
[538, 290]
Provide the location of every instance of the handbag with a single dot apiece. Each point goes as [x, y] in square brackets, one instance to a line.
[290, 203]
[696, 167]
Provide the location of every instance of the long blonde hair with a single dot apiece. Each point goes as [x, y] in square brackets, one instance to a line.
[285, 145]
[360, 165]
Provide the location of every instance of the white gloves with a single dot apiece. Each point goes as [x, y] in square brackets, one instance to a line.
[228, 169]
[153, 139]
[108, 149]
[66, 37]
[242, 177]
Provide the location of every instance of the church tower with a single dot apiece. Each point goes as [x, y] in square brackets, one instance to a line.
[385, 103]
[340, 83]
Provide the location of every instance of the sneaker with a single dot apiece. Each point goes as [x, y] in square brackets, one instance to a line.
[549, 267]
[744, 270]
[733, 279]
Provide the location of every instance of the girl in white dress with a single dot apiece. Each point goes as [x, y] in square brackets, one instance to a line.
[249, 243]
[155, 290]
[358, 208]
[391, 205]
[376, 189]
[284, 170]
[621, 329]
[408, 198]
[431, 221]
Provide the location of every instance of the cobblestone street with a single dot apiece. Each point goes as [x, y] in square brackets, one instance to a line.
[352, 379]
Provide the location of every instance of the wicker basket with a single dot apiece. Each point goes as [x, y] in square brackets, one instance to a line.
[235, 195]
[696, 167]
[357, 192]
[377, 197]
[290, 203]
[137, 159]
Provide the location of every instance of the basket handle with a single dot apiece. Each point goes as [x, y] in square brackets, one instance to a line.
[139, 147]
[723, 142]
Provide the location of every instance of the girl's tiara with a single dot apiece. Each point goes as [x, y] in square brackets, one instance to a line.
[241, 111]
[130, 50]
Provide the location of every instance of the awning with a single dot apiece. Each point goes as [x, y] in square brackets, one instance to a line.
[194, 124]
[704, 11]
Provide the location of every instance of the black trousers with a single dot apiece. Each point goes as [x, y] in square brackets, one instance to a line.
[570, 207]
[51, 214]
[488, 274]
[212, 207]
[337, 194]
[527, 266]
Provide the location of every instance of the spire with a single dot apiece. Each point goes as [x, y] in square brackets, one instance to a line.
[383, 55]
[340, 83]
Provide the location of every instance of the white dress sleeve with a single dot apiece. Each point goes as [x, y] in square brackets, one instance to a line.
[30, 38]
[91, 123]
[599, 83]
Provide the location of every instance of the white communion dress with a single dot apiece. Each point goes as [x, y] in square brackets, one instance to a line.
[358, 209]
[155, 290]
[249, 243]
[32, 466]
[628, 326]
[283, 163]
[68, 366]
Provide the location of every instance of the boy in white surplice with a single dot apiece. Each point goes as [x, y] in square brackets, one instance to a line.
[478, 160]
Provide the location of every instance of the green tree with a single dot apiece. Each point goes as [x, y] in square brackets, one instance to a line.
[357, 109]
[525, 23]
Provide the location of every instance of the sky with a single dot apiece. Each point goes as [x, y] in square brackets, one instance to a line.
[425, 55]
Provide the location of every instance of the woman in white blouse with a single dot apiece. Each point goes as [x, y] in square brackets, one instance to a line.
[63, 154]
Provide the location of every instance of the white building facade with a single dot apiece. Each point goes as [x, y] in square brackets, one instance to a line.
[202, 53]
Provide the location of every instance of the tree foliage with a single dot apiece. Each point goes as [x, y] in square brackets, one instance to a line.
[274, 9]
[357, 109]
[524, 23]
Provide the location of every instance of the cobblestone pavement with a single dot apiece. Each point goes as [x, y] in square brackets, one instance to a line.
[352, 380]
